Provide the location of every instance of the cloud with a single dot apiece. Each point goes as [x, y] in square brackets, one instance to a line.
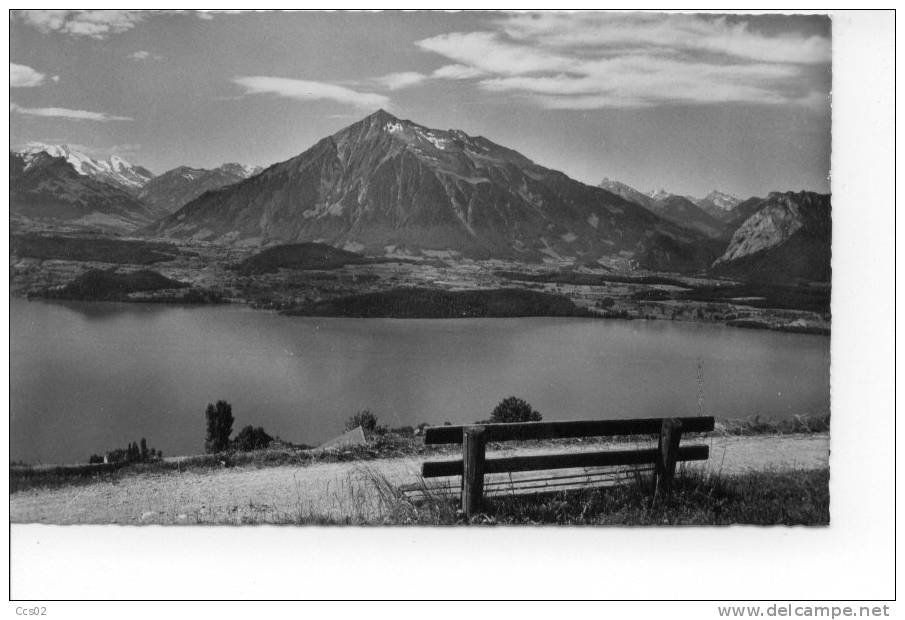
[457, 72]
[305, 90]
[22, 76]
[209, 14]
[93, 24]
[586, 61]
[487, 52]
[78, 115]
[145, 55]
[395, 81]
[716, 34]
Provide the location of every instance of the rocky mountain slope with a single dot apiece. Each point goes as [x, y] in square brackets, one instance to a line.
[49, 190]
[389, 185]
[174, 188]
[115, 170]
[788, 237]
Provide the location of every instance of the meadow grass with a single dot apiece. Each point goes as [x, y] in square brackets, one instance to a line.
[798, 497]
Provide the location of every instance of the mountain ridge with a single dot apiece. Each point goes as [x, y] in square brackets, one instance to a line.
[384, 183]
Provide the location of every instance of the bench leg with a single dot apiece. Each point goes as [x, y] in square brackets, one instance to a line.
[473, 448]
[665, 468]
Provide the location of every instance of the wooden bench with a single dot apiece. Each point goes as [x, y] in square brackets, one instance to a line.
[473, 465]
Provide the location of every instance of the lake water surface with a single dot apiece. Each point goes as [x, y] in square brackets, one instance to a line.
[90, 377]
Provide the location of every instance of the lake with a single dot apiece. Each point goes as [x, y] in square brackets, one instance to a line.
[90, 377]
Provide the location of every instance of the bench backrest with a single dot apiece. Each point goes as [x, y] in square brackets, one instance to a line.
[566, 430]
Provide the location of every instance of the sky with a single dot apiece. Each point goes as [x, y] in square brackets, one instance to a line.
[684, 102]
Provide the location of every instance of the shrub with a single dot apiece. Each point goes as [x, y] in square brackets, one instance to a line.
[606, 302]
[250, 438]
[219, 426]
[514, 409]
[96, 458]
[366, 420]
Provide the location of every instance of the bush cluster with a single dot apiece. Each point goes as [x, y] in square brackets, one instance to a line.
[367, 421]
[514, 409]
[133, 453]
[220, 426]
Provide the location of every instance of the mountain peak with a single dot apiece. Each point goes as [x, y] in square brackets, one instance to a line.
[382, 114]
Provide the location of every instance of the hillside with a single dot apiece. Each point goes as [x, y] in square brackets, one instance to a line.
[298, 256]
[111, 285]
[384, 184]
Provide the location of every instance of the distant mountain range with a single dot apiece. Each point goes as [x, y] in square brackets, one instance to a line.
[386, 186]
[179, 186]
[57, 184]
[706, 215]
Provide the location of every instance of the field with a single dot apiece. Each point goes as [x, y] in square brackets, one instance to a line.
[93, 248]
[315, 279]
[422, 303]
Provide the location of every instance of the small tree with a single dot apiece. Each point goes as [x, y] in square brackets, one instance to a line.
[514, 409]
[144, 449]
[219, 426]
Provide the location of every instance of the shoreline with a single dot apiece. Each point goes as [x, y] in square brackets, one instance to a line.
[252, 305]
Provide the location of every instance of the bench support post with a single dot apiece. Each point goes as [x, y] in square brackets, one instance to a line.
[473, 447]
[665, 467]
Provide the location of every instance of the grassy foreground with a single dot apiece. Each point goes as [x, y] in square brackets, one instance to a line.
[798, 497]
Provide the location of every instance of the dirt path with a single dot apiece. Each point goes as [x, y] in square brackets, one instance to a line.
[338, 490]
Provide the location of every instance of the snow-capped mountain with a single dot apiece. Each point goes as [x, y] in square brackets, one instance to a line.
[114, 170]
[384, 183]
[49, 190]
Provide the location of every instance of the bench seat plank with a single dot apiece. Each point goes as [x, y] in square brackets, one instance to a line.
[435, 469]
